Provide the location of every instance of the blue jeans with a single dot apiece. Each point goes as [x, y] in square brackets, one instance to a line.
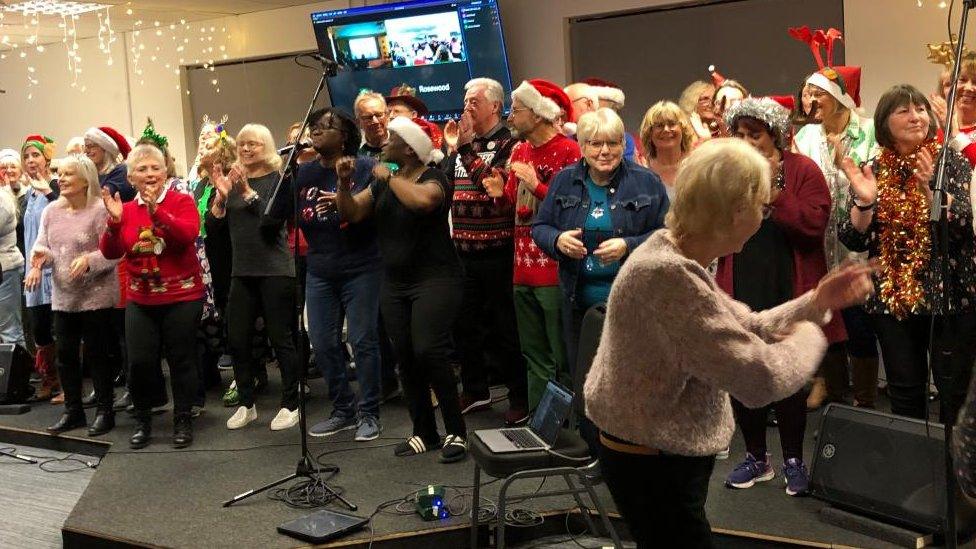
[359, 296]
[11, 325]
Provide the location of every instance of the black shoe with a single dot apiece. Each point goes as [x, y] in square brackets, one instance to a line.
[69, 421]
[119, 380]
[104, 422]
[140, 439]
[89, 400]
[122, 402]
[182, 430]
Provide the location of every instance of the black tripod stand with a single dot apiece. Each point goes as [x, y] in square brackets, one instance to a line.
[940, 230]
[306, 467]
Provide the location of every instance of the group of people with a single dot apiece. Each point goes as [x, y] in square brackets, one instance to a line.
[727, 238]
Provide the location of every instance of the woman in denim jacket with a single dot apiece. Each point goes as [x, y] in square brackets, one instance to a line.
[596, 212]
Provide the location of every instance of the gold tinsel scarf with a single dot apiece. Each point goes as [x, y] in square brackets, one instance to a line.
[902, 215]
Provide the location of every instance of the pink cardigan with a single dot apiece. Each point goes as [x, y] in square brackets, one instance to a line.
[674, 346]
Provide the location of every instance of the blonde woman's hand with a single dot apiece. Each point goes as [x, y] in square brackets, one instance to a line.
[33, 279]
[113, 204]
[848, 285]
[78, 267]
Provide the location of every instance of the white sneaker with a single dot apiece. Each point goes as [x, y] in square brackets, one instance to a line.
[285, 419]
[242, 417]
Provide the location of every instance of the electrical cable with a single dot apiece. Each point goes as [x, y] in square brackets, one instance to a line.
[45, 462]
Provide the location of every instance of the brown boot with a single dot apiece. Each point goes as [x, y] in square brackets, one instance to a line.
[818, 393]
[864, 372]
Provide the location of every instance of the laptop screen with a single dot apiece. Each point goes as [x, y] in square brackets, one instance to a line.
[553, 410]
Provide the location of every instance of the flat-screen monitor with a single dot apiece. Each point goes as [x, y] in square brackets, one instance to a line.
[434, 46]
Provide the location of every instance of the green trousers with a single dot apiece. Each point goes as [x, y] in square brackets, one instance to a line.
[540, 328]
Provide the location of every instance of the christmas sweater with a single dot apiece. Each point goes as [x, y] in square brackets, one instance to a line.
[965, 143]
[159, 249]
[480, 223]
[532, 266]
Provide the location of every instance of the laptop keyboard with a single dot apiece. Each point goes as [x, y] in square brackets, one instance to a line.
[521, 438]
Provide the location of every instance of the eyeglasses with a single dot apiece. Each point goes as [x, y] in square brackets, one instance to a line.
[369, 117]
[250, 145]
[767, 210]
[516, 110]
[599, 145]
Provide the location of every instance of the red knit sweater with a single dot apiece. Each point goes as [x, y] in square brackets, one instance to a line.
[160, 256]
[532, 266]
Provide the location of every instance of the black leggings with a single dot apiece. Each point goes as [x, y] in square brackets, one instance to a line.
[275, 295]
[90, 326]
[791, 415]
[419, 317]
[154, 331]
[904, 347]
[42, 324]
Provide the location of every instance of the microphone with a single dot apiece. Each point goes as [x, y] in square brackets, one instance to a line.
[287, 149]
[325, 61]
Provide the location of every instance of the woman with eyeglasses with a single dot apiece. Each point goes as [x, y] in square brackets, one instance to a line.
[597, 211]
[262, 272]
[667, 137]
[781, 261]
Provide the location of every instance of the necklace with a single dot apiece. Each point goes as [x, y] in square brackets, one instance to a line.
[903, 233]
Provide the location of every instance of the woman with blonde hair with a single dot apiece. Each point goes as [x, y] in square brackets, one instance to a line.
[84, 291]
[667, 137]
[262, 271]
[696, 102]
[675, 346]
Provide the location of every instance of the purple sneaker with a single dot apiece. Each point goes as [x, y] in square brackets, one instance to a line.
[796, 476]
[749, 472]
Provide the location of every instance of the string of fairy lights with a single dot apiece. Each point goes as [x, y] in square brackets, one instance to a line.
[153, 41]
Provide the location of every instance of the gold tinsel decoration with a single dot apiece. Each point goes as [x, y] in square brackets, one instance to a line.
[902, 214]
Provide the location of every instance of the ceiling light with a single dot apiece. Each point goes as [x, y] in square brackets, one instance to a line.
[53, 7]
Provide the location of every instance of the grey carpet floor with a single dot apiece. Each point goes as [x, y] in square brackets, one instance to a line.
[172, 497]
[34, 503]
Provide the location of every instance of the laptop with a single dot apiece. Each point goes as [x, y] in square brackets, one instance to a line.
[543, 428]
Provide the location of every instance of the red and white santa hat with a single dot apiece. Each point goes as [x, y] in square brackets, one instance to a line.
[109, 139]
[419, 136]
[544, 98]
[606, 90]
[841, 82]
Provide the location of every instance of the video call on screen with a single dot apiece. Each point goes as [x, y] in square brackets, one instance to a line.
[433, 46]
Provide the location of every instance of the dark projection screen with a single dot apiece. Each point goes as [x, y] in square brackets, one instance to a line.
[653, 54]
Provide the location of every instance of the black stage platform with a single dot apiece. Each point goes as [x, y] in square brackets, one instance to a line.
[162, 497]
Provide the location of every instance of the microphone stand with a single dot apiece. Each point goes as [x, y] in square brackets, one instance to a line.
[939, 218]
[305, 467]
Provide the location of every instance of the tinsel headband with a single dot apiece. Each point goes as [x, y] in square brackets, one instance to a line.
[150, 134]
[773, 115]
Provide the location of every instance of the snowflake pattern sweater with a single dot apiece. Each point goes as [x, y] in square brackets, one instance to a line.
[532, 266]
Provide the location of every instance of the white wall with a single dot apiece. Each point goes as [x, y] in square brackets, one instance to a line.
[888, 43]
[56, 109]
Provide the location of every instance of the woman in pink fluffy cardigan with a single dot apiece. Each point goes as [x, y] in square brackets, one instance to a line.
[674, 347]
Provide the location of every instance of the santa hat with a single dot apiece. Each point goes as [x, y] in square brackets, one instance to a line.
[109, 139]
[419, 136]
[606, 90]
[40, 142]
[7, 155]
[843, 82]
[717, 78]
[544, 98]
[787, 101]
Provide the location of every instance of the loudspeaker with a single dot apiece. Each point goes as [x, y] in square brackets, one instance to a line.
[885, 466]
[15, 368]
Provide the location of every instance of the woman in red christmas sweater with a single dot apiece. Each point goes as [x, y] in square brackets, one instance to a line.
[545, 151]
[155, 233]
